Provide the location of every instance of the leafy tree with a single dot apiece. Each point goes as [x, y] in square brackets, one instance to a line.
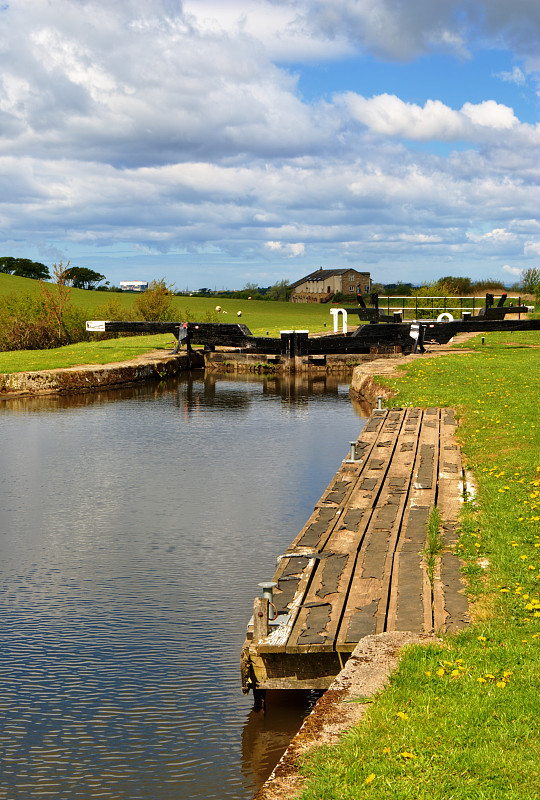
[399, 289]
[24, 268]
[7, 264]
[57, 299]
[83, 278]
[155, 303]
[530, 281]
[279, 291]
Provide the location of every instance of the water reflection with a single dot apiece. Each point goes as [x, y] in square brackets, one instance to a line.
[132, 544]
[266, 734]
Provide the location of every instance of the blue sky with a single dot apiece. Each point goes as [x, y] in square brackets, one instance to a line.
[220, 142]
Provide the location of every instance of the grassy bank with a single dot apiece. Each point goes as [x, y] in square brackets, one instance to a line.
[461, 720]
[107, 351]
[261, 317]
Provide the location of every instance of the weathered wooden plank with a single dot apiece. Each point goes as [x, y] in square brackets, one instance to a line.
[365, 613]
[450, 468]
[411, 599]
[403, 560]
[456, 606]
[318, 619]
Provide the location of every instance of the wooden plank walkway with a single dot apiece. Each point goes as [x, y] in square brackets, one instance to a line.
[356, 567]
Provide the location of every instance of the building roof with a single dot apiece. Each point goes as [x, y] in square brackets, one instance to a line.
[322, 275]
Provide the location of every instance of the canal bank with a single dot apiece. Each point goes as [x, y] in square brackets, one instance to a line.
[368, 669]
[91, 377]
[341, 707]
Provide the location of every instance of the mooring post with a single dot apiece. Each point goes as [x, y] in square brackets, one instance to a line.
[352, 456]
[260, 611]
[379, 403]
[260, 619]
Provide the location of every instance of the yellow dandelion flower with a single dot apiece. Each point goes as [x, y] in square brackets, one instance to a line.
[406, 754]
[501, 684]
[489, 675]
[370, 778]
[440, 672]
[481, 638]
[386, 750]
[481, 680]
[401, 715]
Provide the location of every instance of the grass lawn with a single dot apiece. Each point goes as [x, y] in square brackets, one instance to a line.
[462, 720]
[72, 355]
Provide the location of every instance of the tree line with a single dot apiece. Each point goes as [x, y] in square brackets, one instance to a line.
[79, 277]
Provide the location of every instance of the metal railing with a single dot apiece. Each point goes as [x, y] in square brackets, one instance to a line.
[443, 305]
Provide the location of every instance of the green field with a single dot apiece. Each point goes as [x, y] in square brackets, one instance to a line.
[261, 317]
[461, 720]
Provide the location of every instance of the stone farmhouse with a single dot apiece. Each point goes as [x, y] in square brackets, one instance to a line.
[320, 286]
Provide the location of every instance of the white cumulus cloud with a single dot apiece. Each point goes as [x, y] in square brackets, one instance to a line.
[389, 115]
[290, 249]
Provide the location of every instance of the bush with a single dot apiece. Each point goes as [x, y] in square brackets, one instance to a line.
[434, 289]
[530, 281]
[26, 324]
[457, 285]
[155, 304]
[489, 285]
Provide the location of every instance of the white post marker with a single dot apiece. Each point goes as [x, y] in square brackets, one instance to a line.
[95, 324]
[335, 312]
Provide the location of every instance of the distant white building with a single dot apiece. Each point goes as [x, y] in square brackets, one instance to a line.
[134, 286]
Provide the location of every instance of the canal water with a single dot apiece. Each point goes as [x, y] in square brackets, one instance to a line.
[134, 528]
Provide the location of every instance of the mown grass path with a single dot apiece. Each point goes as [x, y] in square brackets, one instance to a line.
[461, 720]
